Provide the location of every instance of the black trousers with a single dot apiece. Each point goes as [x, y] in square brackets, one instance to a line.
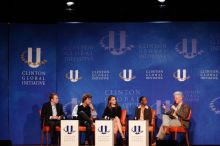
[53, 134]
[85, 121]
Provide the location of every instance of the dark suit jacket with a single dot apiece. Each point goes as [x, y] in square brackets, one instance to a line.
[182, 114]
[147, 114]
[46, 111]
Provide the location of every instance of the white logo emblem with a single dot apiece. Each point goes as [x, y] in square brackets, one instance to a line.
[123, 75]
[73, 78]
[108, 42]
[182, 48]
[69, 129]
[29, 60]
[177, 75]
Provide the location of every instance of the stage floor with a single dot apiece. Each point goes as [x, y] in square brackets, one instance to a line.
[57, 145]
[93, 145]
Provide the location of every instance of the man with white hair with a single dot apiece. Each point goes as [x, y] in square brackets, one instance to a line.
[178, 110]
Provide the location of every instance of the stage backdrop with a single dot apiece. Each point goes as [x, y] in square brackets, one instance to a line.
[4, 126]
[32, 75]
[127, 60]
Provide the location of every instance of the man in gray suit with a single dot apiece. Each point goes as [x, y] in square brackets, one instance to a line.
[178, 111]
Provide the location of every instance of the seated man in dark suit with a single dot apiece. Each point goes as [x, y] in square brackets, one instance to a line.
[51, 114]
[143, 111]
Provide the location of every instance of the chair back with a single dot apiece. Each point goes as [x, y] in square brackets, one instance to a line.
[153, 118]
[39, 112]
[123, 117]
[190, 115]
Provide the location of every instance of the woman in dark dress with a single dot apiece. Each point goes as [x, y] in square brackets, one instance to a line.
[113, 111]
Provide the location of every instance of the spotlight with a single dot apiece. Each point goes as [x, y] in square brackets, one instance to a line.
[69, 3]
[161, 1]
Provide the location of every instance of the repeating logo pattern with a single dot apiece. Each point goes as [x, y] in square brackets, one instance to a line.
[127, 75]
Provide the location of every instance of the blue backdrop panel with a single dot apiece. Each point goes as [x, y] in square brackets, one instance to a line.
[32, 78]
[4, 128]
[127, 60]
[161, 57]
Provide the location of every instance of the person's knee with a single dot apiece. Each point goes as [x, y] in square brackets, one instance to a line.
[116, 130]
[117, 118]
[165, 117]
[81, 113]
[88, 128]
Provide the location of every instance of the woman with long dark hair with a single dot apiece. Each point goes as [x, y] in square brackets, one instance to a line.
[113, 111]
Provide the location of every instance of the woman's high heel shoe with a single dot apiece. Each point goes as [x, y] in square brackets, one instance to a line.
[123, 141]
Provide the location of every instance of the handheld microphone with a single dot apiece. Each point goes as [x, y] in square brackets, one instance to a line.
[163, 106]
[62, 117]
[106, 118]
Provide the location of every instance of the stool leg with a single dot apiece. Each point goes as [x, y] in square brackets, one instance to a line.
[42, 138]
[115, 138]
[80, 136]
[93, 138]
[47, 138]
[151, 138]
[187, 139]
[175, 135]
[58, 139]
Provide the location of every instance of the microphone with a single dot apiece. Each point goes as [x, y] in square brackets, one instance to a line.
[163, 106]
[173, 107]
[106, 118]
[62, 117]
